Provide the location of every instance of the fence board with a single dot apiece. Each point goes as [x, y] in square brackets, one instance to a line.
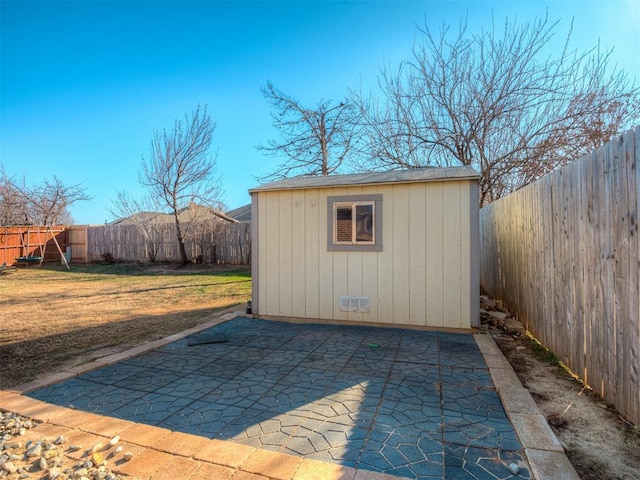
[228, 243]
[563, 254]
[634, 327]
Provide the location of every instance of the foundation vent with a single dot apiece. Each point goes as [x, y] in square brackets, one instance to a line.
[355, 304]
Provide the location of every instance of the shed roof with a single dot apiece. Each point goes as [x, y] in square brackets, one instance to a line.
[428, 174]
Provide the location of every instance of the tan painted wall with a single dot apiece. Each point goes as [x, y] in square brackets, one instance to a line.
[424, 276]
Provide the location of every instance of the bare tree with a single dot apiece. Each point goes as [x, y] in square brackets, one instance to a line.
[181, 170]
[49, 201]
[45, 203]
[14, 209]
[496, 100]
[316, 141]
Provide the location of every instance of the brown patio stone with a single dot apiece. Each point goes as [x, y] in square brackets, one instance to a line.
[118, 458]
[317, 470]
[107, 426]
[177, 467]
[144, 435]
[276, 465]
[84, 440]
[209, 471]
[239, 475]
[9, 396]
[224, 453]
[181, 444]
[72, 418]
[145, 464]
[25, 406]
[50, 432]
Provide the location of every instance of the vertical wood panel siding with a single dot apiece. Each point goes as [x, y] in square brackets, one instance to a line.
[423, 276]
[564, 256]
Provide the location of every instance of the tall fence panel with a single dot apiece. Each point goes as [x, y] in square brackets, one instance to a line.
[228, 243]
[77, 243]
[563, 254]
[18, 244]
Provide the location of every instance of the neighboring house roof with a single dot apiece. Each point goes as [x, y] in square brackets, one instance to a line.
[186, 214]
[241, 214]
[373, 178]
[137, 218]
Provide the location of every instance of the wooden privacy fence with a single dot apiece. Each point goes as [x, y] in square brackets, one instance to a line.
[31, 241]
[224, 243]
[564, 255]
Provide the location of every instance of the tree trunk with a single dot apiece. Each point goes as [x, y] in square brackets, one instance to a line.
[183, 252]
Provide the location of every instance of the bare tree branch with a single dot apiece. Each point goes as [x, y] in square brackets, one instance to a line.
[496, 100]
[316, 141]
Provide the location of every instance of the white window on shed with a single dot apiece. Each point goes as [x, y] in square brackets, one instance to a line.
[355, 223]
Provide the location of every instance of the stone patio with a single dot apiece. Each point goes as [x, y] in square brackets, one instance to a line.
[404, 402]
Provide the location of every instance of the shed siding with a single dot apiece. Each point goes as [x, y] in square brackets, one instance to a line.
[422, 276]
[434, 257]
[417, 255]
[311, 222]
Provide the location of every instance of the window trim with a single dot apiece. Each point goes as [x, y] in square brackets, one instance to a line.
[333, 202]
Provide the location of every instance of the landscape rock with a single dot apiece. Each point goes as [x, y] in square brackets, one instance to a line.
[34, 451]
[487, 303]
[493, 312]
[9, 467]
[498, 316]
[47, 457]
[513, 326]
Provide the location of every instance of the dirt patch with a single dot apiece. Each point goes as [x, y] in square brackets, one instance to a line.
[599, 444]
[53, 318]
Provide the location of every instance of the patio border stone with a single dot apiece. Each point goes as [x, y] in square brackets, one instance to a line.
[543, 450]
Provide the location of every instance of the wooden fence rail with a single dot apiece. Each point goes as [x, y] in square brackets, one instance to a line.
[564, 256]
[226, 243]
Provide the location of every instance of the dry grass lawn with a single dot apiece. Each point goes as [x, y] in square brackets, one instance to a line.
[51, 317]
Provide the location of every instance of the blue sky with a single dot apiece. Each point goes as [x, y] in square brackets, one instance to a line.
[83, 84]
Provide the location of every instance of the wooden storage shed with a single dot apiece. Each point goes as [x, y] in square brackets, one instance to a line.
[396, 248]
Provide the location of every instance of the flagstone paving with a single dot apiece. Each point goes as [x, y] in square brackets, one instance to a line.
[404, 402]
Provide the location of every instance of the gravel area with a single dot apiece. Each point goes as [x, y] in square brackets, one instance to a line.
[23, 455]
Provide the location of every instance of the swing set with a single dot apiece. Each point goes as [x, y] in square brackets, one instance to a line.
[29, 250]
